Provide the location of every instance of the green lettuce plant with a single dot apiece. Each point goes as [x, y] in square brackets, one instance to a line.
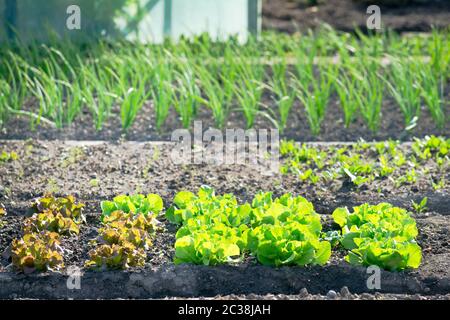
[138, 203]
[381, 235]
[208, 244]
[286, 231]
[211, 231]
[430, 146]
[216, 229]
[207, 208]
[288, 244]
[213, 209]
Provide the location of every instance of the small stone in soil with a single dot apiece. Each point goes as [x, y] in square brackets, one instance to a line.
[331, 294]
[303, 293]
[345, 292]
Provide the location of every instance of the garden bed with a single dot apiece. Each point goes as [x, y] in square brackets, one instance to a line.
[333, 129]
[292, 15]
[90, 189]
[320, 86]
[160, 278]
[100, 170]
[96, 171]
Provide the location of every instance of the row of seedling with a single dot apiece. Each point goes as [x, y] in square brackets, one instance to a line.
[128, 225]
[216, 229]
[57, 82]
[287, 231]
[363, 163]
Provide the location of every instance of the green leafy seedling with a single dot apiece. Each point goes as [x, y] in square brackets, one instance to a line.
[421, 206]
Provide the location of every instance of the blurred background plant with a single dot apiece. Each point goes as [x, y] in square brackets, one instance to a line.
[100, 17]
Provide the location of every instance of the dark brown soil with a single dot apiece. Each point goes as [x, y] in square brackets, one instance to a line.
[137, 167]
[96, 170]
[293, 15]
[343, 294]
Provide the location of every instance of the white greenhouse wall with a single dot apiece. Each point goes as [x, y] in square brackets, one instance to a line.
[220, 18]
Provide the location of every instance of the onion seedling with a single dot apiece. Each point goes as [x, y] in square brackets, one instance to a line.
[404, 87]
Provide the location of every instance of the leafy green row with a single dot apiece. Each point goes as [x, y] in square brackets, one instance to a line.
[364, 162]
[8, 156]
[215, 229]
[287, 231]
[380, 235]
[134, 203]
